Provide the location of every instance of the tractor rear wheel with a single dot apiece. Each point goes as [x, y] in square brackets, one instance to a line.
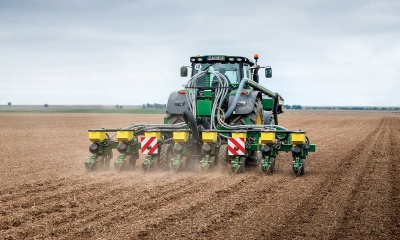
[269, 118]
[256, 115]
[165, 157]
[174, 118]
[256, 118]
[222, 159]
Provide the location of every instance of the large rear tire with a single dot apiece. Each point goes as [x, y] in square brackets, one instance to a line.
[256, 118]
[174, 118]
[223, 158]
[269, 118]
[165, 157]
[256, 115]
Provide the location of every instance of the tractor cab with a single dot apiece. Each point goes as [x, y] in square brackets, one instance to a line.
[231, 71]
[233, 68]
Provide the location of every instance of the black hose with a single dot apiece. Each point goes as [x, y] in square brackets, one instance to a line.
[276, 101]
[203, 123]
[191, 122]
[275, 110]
[107, 142]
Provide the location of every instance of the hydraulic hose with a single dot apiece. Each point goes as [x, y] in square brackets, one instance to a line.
[275, 110]
[191, 122]
[220, 92]
[236, 99]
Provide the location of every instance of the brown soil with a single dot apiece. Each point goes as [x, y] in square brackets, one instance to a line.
[351, 186]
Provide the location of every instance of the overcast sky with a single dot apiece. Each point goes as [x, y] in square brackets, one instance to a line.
[129, 52]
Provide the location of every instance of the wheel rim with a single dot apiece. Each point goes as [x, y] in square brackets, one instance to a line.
[258, 119]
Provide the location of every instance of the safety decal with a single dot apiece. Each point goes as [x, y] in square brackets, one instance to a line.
[236, 146]
[149, 145]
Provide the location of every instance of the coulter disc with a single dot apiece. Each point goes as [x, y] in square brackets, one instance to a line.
[124, 166]
[241, 167]
[300, 170]
[98, 164]
[271, 167]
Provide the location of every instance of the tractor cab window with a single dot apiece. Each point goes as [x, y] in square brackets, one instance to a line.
[230, 70]
[246, 71]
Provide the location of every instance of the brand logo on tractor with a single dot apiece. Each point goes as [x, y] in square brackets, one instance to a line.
[216, 58]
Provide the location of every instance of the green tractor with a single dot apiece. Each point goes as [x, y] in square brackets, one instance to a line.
[222, 119]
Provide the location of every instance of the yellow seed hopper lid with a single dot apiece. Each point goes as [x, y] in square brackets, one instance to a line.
[181, 136]
[125, 136]
[97, 136]
[209, 136]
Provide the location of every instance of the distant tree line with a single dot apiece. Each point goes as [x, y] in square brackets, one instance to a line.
[45, 105]
[339, 108]
[293, 107]
[352, 108]
[154, 106]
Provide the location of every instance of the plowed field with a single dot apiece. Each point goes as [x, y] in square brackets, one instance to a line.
[350, 189]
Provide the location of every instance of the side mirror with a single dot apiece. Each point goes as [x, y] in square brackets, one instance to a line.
[184, 71]
[268, 72]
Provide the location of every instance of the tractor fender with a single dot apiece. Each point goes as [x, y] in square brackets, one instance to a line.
[177, 103]
[245, 104]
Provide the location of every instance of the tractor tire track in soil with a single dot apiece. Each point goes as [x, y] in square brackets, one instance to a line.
[350, 188]
[370, 198]
[340, 202]
[394, 172]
